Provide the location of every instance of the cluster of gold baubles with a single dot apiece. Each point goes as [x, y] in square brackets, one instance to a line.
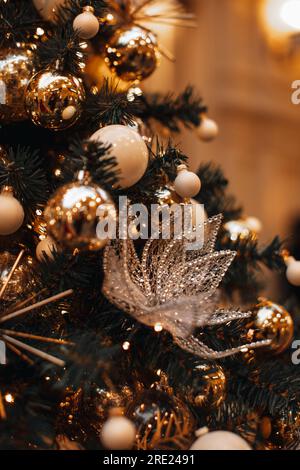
[132, 51]
[50, 98]
[53, 98]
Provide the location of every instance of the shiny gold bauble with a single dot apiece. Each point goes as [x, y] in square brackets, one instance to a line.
[209, 386]
[275, 323]
[22, 276]
[72, 215]
[132, 53]
[54, 100]
[163, 422]
[16, 69]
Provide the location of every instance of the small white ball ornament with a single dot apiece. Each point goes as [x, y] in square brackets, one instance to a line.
[208, 129]
[11, 212]
[220, 440]
[45, 249]
[118, 433]
[187, 184]
[86, 24]
[129, 149]
[293, 271]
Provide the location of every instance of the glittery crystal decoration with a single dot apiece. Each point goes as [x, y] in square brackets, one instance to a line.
[172, 288]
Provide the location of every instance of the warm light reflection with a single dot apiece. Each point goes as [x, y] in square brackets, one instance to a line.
[282, 16]
[9, 398]
[281, 22]
[290, 13]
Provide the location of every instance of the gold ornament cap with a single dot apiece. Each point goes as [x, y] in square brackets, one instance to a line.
[89, 9]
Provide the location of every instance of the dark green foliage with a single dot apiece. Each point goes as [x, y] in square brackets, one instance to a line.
[245, 272]
[161, 170]
[18, 21]
[110, 106]
[171, 111]
[214, 194]
[95, 158]
[25, 173]
[61, 51]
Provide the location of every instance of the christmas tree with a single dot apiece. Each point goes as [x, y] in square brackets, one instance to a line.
[116, 331]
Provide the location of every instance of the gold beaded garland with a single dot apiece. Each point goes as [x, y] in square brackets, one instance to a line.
[16, 69]
[54, 100]
[132, 53]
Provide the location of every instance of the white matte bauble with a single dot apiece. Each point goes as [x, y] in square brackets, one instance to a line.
[86, 24]
[118, 433]
[45, 249]
[11, 212]
[293, 272]
[208, 129]
[129, 149]
[187, 184]
[220, 440]
[48, 8]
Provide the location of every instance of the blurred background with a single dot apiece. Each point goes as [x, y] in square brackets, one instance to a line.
[243, 58]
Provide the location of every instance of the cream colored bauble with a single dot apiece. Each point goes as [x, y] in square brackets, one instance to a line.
[293, 272]
[11, 212]
[187, 184]
[129, 149]
[208, 129]
[220, 440]
[86, 24]
[45, 249]
[48, 8]
[118, 433]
